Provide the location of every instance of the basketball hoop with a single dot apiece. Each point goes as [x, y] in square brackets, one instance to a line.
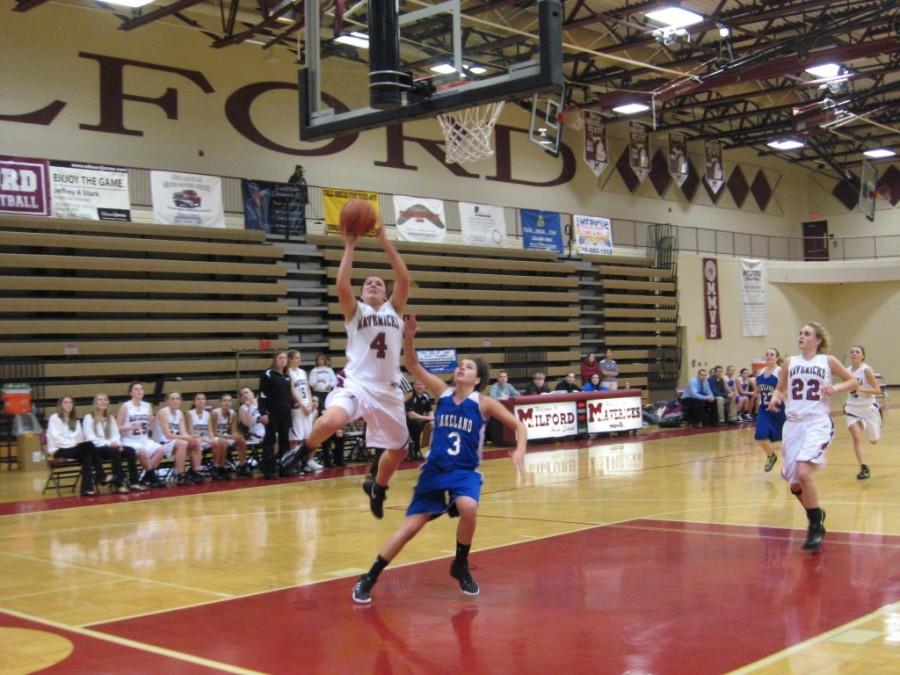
[468, 133]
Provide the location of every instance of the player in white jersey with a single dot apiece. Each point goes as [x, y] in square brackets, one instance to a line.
[305, 409]
[172, 434]
[135, 419]
[199, 426]
[225, 427]
[371, 385]
[805, 386]
[862, 412]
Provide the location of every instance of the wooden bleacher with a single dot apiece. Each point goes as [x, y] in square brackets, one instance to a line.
[101, 304]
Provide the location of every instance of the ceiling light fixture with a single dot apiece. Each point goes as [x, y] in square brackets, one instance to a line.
[443, 69]
[631, 108]
[879, 153]
[786, 144]
[354, 39]
[478, 70]
[825, 70]
[674, 17]
[129, 3]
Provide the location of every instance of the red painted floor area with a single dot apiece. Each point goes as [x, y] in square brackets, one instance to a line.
[95, 655]
[643, 596]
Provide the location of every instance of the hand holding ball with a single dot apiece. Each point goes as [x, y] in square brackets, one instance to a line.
[358, 218]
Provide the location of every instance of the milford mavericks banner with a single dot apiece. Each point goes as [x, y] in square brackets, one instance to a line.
[276, 208]
[711, 318]
[89, 191]
[753, 298]
[23, 186]
[593, 235]
[420, 219]
[187, 199]
[541, 230]
[334, 200]
[595, 153]
[482, 224]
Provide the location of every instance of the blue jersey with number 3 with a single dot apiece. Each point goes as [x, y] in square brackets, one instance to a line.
[458, 433]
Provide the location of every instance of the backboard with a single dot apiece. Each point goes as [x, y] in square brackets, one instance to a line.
[388, 65]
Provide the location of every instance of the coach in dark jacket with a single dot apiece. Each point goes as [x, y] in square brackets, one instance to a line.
[276, 401]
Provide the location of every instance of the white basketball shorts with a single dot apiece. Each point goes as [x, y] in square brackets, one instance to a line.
[804, 441]
[382, 408]
[869, 416]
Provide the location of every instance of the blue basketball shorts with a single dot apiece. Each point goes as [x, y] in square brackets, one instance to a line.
[768, 426]
[437, 489]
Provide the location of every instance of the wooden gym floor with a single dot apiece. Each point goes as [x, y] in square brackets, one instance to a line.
[663, 553]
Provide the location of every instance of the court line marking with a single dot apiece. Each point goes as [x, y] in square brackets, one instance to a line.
[66, 589]
[813, 641]
[133, 644]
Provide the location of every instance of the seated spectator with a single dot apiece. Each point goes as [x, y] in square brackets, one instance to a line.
[100, 428]
[225, 423]
[594, 384]
[538, 384]
[567, 384]
[589, 366]
[610, 371]
[725, 404]
[698, 401]
[502, 389]
[66, 440]
[744, 395]
[419, 420]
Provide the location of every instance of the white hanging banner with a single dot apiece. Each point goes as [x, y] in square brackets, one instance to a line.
[595, 149]
[593, 235]
[482, 224]
[639, 149]
[753, 298]
[678, 161]
[187, 199]
[420, 219]
[89, 191]
[715, 167]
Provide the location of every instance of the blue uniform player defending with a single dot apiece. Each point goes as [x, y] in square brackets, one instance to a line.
[769, 424]
[448, 481]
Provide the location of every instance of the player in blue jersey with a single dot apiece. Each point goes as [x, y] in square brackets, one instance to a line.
[768, 424]
[448, 481]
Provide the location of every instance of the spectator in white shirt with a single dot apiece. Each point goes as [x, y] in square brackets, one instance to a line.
[100, 428]
[66, 440]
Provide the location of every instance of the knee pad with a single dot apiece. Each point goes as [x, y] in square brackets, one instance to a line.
[796, 490]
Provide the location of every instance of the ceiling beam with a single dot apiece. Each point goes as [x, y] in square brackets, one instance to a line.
[168, 10]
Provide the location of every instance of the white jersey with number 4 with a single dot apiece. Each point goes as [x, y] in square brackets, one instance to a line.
[806, 381]
[374, 342]
[855, 398]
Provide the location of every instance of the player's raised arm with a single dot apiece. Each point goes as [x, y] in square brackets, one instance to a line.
[499, 412]
[433, 384]
[401, 274]
[344, 281]
[780, 392]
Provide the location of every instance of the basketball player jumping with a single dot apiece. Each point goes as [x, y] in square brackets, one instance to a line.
[371, 386]
[805, 386]
[460, 421]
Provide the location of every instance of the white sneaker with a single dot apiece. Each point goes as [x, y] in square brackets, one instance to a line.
[313, 465]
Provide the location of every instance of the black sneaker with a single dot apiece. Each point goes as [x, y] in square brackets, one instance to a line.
[244, 471]
[815, 535]
[460, 572]
[183, 479]
[863, 472]
[292, 457]
[770, 462]
[196, 477]
[376, 495]
[361, 589]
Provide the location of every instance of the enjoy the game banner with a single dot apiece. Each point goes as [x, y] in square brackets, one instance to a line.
[420, 219]
[334, 199]
[24, 186]
[595, 148]
[593, 235]
[89, 191]
[187, 199]
[482, 224]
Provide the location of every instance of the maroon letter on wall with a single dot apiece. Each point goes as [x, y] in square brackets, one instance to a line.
[502, 147]
[44, 116]
[395, 160]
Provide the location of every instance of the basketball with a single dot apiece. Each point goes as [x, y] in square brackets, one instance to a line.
[357, 218]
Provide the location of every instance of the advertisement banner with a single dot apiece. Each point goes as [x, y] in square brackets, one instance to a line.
[678, 159]
[614, 414]
[275, 208]
[482, 224]
[187, 199]
[593, 235]
[24, 186]
[550, 419]
[334, 200]
[595, 148]
[437, 360]
[753, 298]
[715, 167]
[639, 149]
[541, 230]
[89, 191]
[420, 219]
[711, 319]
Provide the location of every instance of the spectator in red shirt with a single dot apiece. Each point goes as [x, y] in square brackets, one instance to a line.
[589, 366]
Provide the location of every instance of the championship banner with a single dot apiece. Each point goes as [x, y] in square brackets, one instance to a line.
[595, 148]
[275, 208]
[639, 149]
[715, 168]
[420, 219]
[437, 360]
[187, 199]
[482, 224]
[678, 160]
[753, 298]
[24, 186]
[711, 319]
[334, 200]
[89, 191]
[541, 230]
[548, 420]
[621, 413]
[593, 235]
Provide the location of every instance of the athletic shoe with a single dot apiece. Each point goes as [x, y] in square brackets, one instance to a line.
[137, 487]
[863, 472]
[292, 457]
[460, 572]
[183, 479]
[361, 590]
[244, 471]
[815, 535]
[196, 477]
[770, 462]
[376, 494]
[313, 465]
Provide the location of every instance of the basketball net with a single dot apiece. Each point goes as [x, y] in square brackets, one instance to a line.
[468, 133]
